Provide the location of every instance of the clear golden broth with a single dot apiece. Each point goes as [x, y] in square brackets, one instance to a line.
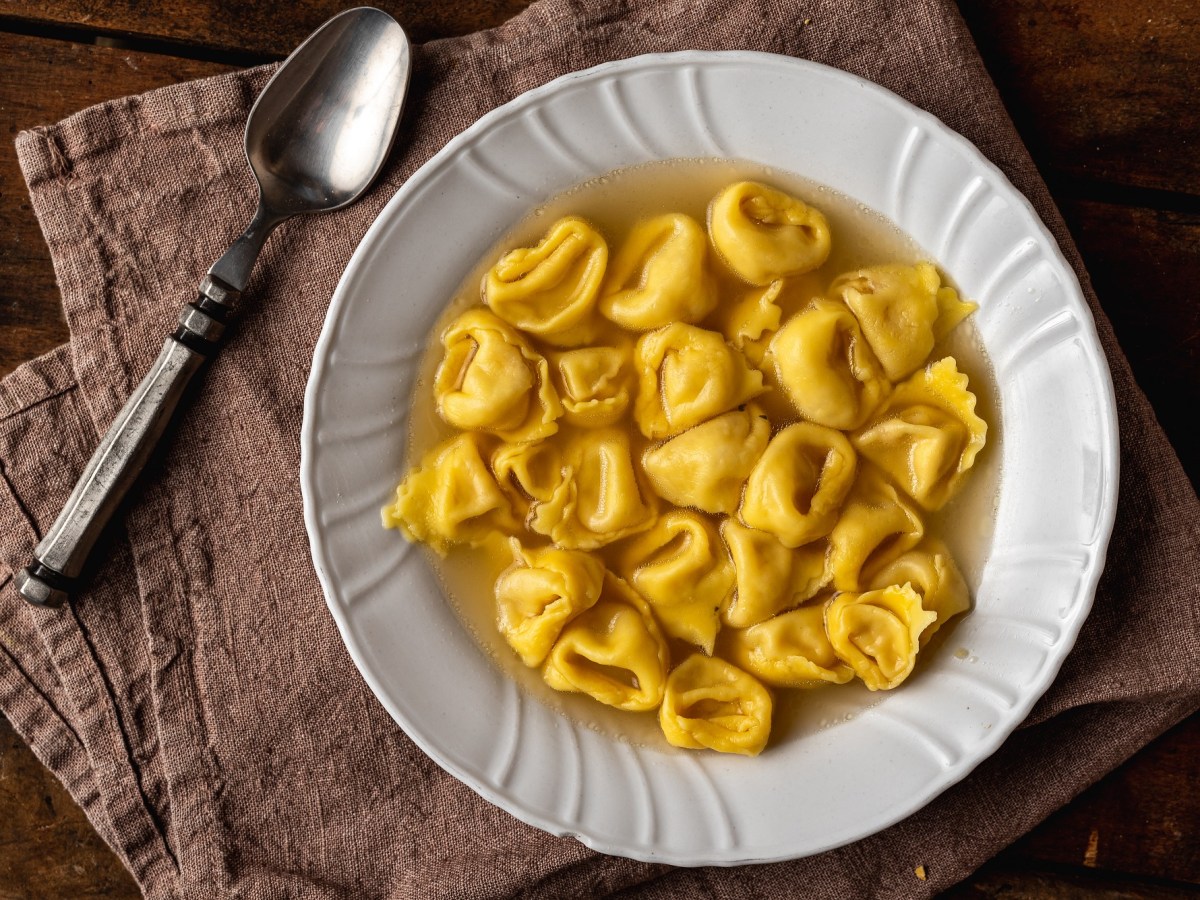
[613, 204]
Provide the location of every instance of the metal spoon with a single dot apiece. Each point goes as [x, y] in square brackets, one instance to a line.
[316, 138]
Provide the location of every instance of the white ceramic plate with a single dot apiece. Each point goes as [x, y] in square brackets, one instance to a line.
[878, 763]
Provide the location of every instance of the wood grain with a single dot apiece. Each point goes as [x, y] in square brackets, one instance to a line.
[48, 848]
[995, 882]
[266, 29]
[1099, 89]
[42, 81]
[1144, 820]
[1145, 264]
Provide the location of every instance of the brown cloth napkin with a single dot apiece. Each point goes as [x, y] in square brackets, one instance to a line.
[197, 700]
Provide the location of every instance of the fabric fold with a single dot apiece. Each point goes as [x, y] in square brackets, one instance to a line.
[198, 702]
[76, 675]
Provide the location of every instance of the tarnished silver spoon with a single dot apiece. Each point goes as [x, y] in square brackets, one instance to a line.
[316, 138]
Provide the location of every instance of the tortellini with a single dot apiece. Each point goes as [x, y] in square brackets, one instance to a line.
[797, 487]
[755, 315]
[710, 703]
[764, 234]
[490, 379]
[928, 435]
[896, 307]
[613, 651]
[581, 489]
[550, 290]
[688, 375]
[696, 471]
[952, 309]
[876, 526]
[536, 597]
[681, 568]
[529, 473]
[931, 571]
[595, 384]
[451, 498]
[706, 467]
[790, 650]
[770, 577]
[902, 310]
[601, 497]
[660, 275]
[877, 633]
[826, 366]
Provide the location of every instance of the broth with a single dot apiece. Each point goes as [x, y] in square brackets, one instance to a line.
[613, 204]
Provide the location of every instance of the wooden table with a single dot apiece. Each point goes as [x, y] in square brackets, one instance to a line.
[1106, 93]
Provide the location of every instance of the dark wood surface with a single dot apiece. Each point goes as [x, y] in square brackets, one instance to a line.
[1105, 94]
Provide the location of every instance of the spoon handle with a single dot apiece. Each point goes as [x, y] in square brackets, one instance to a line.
[60, 557]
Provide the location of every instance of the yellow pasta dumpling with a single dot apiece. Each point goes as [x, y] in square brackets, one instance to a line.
[686, 437]
[877, 633]
[755, 315]
[826, 367]
[707, 466]
[896, 307]
[764, 234]
[612, 651]
[601, 497]
[595, 384]
[490, 379]
[876, 526]
[681, 568]
[797, 487]
[790, 650]
[529, 473]
[451, 498]
[711, 704]
[931, 571]
[952, 309]
[536, 597]
[660, 275]
[550, 290]
[927, 435]
[687, 375]
[770, 577]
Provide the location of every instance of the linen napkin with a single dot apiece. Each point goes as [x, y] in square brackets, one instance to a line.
[197, 700]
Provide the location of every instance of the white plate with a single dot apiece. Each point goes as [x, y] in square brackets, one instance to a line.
[880, 762]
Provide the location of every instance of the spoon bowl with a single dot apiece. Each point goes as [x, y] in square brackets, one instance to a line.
[319, 132]
[322, 127]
